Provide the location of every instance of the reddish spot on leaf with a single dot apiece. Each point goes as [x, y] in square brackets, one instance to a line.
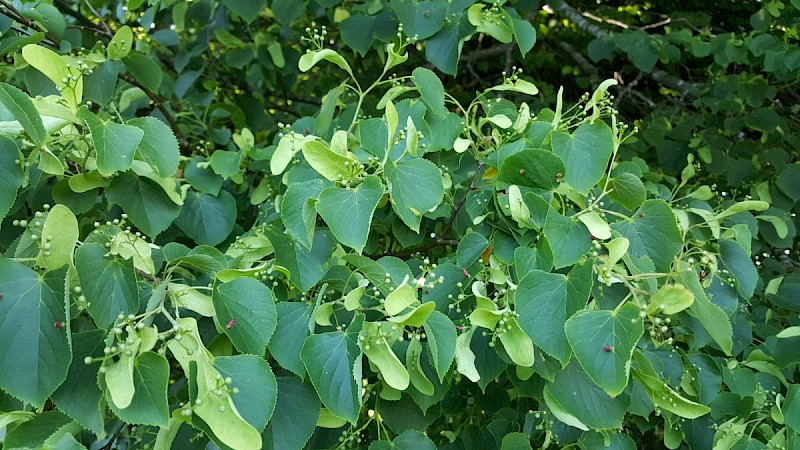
[427, 291]
[1, 296]
[607, 348]
[466, 274]
[591, 237]
[230, 324]
[641, 214]
[459, 328]
[58, 324]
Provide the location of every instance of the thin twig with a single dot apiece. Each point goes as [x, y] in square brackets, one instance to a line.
[113, 437]
[96, 14]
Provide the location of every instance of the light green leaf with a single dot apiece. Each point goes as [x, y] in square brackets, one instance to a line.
[310, 59]
[35, 354]
[747, 205]
[378, 349]
[668, 399]
[49, 163]
[413, 362]
[586, 153]
[328, 163]
[516, 343]
[597, 226]
[60, 233]
[348, 211]
[246, 311]
[401, 298]
[21, 107]
[603, 342]
[416, 317]
[330, 359]
[465, 358]
[109, 283]
[54, 67]
[121, 44]
[670, 299]
[653, 232]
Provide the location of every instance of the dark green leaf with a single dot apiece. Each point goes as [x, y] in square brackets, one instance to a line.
[109, 283]
[79, 396]
[361, 32]
[207, 219]
[145, 70]
[653, 232]
[330, 359]
[114, 143]
[575, 394]
[441, 342]
[541, 301]
[568, 238]
[21, 107]
[246, 9]
[430, 89]
[348, 212]
[35, 354]
[11, 176]
[149, 405]
[307, 267]
[298, 210]
[627, 190]
[420, 18]
[159, 147]
[586, 153]
[246, 310]
[295, 416]
[443, 50]
[290, 334]
[257, 387]
[149, 207]
[415, 186]
[534, 168]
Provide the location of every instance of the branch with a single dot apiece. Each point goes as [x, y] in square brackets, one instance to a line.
[487, 52]
[583, 63]
[65, 8]
[17, 16]
[671, 81]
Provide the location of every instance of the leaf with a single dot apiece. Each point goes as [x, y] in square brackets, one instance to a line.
[298, 213]
[668, 399]
[414, 365]
[791, 408]
[747, 205]
[586, 153]
[574, 393]
[465, 357]
[470, 248]
[21, 107]
[295, 416]
[516, 343]
[329, 164]
[441, 335]
[603, 342]
[377, 348]
[415, 187]
[348, 211]
[79, 396]
[713, 319]
[516, 441]
[670, 299]
[524, 34]
[150, 380]
[60, 232]
[596, 225]
[568, 237]
[653, 232]
[144, 69]
[246, 310]
[627, 190]
[114, 143]
[109, 284]
[542, 304]
[737, 261]
[361, 32]
[306, 267]
[420, 19]
[534, 168]
[207, 219]
[246, 9]
[401, 298]
[11, 175]
[121, 44]
[407, 440]
[443, 49]
[329, 359]
[430, 89]
[35, 432]
[290, 334]
[310, 59]
[54, 67]
[35, 354]
[322, 123]
[149, 207]
[158, 146]
[49, 163]
[258, 390]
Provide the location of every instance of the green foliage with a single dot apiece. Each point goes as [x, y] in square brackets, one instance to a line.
[291, 224]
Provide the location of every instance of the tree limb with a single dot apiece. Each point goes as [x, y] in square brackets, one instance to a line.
[671, 81]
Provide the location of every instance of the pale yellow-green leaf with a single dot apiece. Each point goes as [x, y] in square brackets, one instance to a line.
[59, 236]
[596, 225]
[465, 358]
[401, 298]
